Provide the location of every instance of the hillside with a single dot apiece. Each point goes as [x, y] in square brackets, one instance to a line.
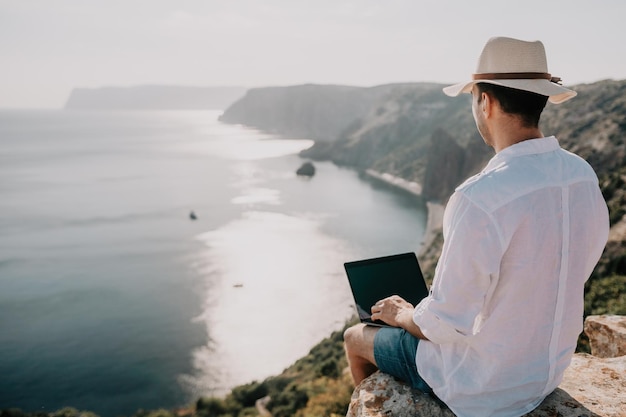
[413, 128]
[319, 112]
[393, 128]
[153, 97]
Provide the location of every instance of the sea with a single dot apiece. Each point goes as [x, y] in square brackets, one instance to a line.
[113, 299]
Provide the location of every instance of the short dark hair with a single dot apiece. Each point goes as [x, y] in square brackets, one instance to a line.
[525, 104]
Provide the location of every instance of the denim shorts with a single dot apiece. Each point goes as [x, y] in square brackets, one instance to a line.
[394, 352]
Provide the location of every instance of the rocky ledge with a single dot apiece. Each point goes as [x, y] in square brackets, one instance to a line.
[592, 386]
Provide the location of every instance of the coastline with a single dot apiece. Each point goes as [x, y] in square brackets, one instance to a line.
[434, 211]
[410, 186]
[434, 224]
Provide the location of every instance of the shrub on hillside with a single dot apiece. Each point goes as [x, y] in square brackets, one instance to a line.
[287, 402]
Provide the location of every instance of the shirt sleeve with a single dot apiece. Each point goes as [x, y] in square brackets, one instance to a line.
[466, 274]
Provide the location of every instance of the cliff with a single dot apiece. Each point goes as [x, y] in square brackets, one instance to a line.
[397, 128]
[319, 112]
[414, 129]
[153, 97]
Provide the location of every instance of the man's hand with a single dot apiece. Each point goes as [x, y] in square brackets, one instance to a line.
[397, 312]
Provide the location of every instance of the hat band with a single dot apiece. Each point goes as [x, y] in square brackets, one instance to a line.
[516, 76]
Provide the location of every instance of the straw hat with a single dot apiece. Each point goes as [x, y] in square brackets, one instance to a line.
[516, 64]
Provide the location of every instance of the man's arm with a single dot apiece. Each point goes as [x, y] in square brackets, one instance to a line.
[397, 312]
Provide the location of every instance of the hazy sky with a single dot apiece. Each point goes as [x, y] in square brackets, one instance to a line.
[48, 47]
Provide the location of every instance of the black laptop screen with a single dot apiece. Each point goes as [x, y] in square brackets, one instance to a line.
[377, 278]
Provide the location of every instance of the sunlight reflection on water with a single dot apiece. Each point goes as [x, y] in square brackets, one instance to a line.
[260, 267]
[258, 195]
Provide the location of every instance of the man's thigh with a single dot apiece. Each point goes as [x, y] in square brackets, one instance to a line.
[394, 353]
[359, 341]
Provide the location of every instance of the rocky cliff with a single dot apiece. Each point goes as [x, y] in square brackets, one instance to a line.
[398, 128]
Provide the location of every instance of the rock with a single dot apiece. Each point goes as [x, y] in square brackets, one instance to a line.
[381, 395]
[307, 169]
[592, 386]
[607, 335]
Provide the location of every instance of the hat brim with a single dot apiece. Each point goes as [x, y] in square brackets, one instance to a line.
[555, 92]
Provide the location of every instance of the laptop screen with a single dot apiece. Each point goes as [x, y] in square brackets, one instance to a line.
[374, 279]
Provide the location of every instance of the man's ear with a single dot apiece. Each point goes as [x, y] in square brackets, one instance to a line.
[487, 103]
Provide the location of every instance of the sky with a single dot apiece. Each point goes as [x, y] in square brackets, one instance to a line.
[49, 47]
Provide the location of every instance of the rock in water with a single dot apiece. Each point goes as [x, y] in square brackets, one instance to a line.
[307, 169]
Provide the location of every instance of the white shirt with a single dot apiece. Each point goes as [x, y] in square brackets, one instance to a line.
[506, 305]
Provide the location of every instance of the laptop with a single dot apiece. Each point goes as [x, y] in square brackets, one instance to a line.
[374, 279]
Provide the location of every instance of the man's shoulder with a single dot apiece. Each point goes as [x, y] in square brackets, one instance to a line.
[503, 181]
[491, 187]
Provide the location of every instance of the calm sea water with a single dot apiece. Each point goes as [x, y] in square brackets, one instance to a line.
[112, 299]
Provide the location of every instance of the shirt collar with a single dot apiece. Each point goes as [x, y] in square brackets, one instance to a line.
[527, 147]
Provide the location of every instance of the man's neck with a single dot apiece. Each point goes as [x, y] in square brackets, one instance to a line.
[511, 132]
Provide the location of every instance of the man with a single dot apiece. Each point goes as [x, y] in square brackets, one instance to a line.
[501, 322]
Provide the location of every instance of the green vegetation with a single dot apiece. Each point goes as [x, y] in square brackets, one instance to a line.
[614, 191]
[605, 292]
[606, 295]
